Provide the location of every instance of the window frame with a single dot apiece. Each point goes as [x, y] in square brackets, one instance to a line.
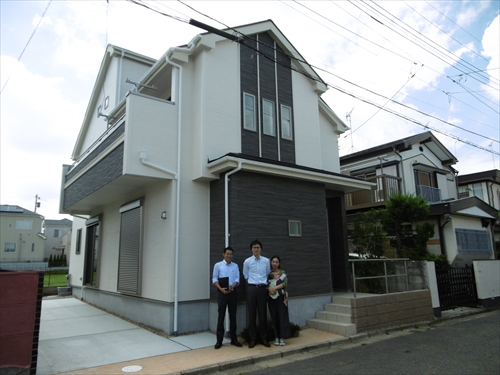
[265, 118]
[24, 222]
[254, 112]
[290, 122]
[11, 250]
[291, 231]
[78, 246]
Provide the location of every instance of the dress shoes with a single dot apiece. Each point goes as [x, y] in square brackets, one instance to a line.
[265, 343]
[236, 343]
[251, 344]
[218, 345]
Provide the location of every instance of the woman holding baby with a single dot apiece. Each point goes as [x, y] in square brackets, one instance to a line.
[277, 302]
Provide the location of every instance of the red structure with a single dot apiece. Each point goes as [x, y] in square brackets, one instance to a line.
[20, 308]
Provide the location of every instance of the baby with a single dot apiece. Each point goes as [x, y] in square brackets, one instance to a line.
[274, 280]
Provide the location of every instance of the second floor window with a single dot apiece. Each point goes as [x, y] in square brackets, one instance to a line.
[24, 224]
[286, 122]
[478, 190]
[268, 117]
[249, 122]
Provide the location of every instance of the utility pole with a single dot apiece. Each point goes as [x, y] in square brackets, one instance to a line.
[37, 202]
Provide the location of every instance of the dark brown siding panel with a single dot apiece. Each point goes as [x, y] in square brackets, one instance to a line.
[248, 77]
[99, 149]
[268, 91]
[285, 97]
[217, 228]
[260, 207]
[108, 169]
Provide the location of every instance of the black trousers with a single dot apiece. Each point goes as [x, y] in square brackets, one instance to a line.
[279, 317]
[256, 302]
[229, 301]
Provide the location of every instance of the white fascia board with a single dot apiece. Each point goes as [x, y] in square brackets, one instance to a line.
[340, 126]
[345, 184]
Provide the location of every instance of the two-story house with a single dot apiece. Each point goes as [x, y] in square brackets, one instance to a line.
[219, 142]
[421, 165]
[21, 237]
[56, 232]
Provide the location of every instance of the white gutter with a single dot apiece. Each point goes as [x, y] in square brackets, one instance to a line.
[169, 53]
[119, 85]
[226, 200]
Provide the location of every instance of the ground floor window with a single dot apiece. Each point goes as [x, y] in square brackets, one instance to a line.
[92, 251]
[472, 241]
[9, 248]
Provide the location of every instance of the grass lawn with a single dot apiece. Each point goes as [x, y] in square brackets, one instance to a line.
[55, 280]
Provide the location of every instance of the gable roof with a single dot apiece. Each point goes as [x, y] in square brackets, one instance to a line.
[470, 206]
[111, 52]
[427, 138]
[490, 176]
[12, 209]
[60, 223]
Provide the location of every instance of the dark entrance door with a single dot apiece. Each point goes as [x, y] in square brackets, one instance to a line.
[337, 232]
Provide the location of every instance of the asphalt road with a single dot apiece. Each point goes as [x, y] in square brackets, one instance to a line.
[468, 345]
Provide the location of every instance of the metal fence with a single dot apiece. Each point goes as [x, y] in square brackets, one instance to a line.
[379, 275]
[456, 288]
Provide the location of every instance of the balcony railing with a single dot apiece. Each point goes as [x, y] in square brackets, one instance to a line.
[386, 187]
[429, 193]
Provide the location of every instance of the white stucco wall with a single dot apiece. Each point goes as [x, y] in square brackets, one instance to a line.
[487, 274]
[151, 127]
[329, 145]
[308, 145]
[77, 263]
[214, 104]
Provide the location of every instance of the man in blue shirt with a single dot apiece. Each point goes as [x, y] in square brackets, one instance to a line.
[255, 270]
[226, 278]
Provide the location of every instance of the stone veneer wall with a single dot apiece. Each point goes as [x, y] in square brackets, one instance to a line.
[380, 311]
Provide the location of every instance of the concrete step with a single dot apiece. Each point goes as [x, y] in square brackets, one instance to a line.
[336, 308]
[343, 329]
[346, 301]
[333, 316]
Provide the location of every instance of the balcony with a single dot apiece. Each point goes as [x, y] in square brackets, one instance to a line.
[112, 167]
[429, 193]
[386, 187]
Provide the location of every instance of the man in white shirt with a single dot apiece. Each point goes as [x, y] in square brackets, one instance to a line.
[255, 270]
[226, 277]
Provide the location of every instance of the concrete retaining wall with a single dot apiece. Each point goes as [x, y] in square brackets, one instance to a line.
[380, 311]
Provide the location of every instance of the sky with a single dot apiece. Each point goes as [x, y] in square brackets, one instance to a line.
[394, 69]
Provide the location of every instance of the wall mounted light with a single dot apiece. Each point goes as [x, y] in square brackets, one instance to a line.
[164, 215]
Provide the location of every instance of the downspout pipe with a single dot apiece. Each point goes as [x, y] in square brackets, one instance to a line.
[226, 201]
[190, 48]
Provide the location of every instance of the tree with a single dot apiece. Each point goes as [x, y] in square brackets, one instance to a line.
[367, 236]
[401, 213]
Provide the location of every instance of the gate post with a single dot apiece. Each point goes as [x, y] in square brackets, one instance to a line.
[431, 283]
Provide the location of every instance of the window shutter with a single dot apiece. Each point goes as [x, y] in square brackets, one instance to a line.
[130, 252]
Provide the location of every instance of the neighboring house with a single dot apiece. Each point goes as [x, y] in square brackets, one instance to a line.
[20, 235]
[485, 186]
[220, 142]
[56, 232]
[421, 165]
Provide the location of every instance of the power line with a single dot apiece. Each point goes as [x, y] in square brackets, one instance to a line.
[242, 41]
[26, 46]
